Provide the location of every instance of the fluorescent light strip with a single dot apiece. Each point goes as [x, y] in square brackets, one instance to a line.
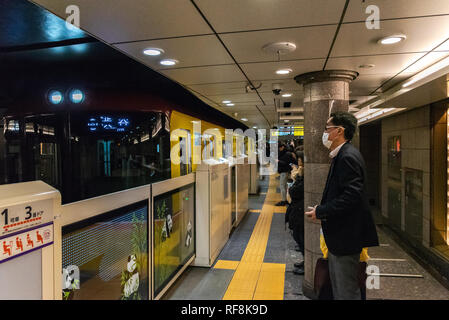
[427, 72]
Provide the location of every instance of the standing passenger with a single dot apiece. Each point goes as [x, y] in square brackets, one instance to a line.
[295, 211]
[284, 161]
[344, 212]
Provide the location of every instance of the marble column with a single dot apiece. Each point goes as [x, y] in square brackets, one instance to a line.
[324, 93]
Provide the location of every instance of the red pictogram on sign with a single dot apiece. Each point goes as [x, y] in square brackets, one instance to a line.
[39, 238]
[19, 244]
[6, 249]
[29, 241]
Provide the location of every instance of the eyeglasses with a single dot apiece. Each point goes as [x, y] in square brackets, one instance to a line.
[326, 128]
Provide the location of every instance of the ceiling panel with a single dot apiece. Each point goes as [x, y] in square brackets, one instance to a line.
[376, 80]
[237, 15]
[212, 74]
[383, 63]
[189, 51]
[237, 98]
[396, 9]
[120, 20]
[360, 91]
[267, 70]
[220, 88]
[356, 39]
[426, 61]
[311, 42]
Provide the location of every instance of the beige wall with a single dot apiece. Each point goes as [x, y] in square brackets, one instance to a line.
[414, 128]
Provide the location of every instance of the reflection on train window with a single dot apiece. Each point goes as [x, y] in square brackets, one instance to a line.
[173, 225]
[208, 146]
[185, 151]
[29, 150]
[116, 152]
[106, 257]
[85, 155]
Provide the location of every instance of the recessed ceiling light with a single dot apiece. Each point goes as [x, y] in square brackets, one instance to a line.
[283, 71]
[244, 119]
[367, 66]
[287, 95]
[254, 127]
[230, 104]
[169, 62]
[153, 51]
[226, 101]
[392, 39]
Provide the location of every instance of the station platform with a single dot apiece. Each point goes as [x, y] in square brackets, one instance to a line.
[257, 263]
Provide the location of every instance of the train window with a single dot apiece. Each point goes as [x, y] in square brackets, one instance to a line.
[85, 155]
[113, 152]
[29, 151]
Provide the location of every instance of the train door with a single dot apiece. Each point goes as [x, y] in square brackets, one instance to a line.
[185, 144]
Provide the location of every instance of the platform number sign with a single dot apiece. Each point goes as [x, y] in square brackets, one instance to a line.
[25, 216]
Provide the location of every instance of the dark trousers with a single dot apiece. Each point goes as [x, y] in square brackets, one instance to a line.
[344, 276]
[298, 235]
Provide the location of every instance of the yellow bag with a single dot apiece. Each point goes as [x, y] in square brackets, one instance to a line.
[363, 255]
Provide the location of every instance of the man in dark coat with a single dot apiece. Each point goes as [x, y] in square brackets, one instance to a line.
[284, 160]
[345, 216]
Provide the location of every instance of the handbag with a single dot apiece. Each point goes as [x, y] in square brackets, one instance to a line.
[322, 280]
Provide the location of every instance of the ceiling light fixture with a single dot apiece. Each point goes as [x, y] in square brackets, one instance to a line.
[283, 71]
[169, 62]
[244, 119]
[287, 95]
[230, 104]
[226, 101]
[153, 51]
[392, 39]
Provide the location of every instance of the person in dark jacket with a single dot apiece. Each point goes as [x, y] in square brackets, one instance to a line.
[284, 160]
[295, 211]
[346, 220]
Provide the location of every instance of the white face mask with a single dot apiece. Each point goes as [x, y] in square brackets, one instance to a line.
[326, 141]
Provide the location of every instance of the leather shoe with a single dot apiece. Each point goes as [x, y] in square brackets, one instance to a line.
[298, 271]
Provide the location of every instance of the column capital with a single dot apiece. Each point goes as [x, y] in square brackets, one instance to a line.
[326, 75]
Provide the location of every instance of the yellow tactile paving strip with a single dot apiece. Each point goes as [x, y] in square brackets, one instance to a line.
[226, 264]
[254, 279]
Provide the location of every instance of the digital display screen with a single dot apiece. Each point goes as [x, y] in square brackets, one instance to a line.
[106, 257]
[106, 123]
